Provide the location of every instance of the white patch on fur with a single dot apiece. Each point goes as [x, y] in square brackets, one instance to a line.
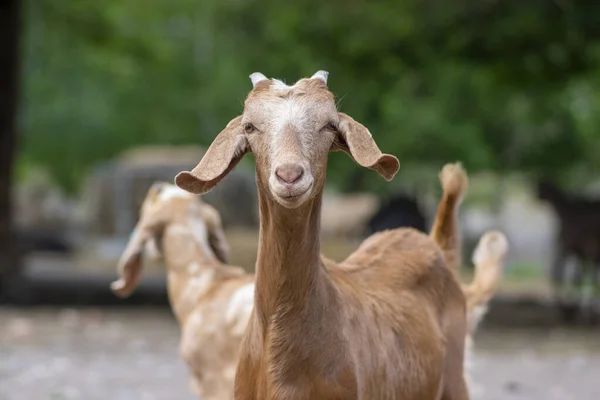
[193, 268]
[196, 287]
[290, 112]
[195, 319]
[229, 372]
[240, 308]
[293, 114]
[171, 191]
[281, 85]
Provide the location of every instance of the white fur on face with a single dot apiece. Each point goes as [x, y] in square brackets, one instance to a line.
[291, 114]
[292, 121]
[171, 191]
[240, 307]
[280, 85]
[285, 113]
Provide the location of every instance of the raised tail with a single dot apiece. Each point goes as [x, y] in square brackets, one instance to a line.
[445, 231]
[488, 257]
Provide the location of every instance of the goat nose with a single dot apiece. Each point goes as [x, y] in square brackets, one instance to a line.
[289, 173]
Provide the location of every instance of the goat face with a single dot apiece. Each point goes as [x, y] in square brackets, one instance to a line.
[290, 130]
[163, 205]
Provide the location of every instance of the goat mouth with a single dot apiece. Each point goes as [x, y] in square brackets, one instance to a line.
[291, 198]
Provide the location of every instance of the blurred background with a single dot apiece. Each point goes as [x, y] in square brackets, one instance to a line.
[100, 99]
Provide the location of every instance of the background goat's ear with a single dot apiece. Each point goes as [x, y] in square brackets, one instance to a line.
[356, 140]
[130, 264]
[216, 237]
[222, 156]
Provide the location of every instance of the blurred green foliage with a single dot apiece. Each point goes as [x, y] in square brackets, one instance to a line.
[499, 84]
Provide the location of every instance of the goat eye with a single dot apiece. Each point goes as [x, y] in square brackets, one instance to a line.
[331, 126]
[249, 128]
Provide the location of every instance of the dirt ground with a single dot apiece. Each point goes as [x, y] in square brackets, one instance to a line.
[123, 354]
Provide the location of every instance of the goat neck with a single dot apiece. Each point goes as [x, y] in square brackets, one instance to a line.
[288, 268]
[191, 267]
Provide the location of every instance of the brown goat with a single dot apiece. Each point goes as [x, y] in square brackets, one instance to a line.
[198, 348]
[388, 322]
[211, 300]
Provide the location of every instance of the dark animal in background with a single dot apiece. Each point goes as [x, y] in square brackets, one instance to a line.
[578, 238]
[400, 210]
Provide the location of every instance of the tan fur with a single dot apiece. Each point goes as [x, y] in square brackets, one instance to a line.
[488, 258]
[210, 300]
[389, 322]
[445, 230]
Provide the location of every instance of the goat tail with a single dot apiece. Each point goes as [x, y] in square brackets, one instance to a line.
[488, 257]
[445, 231]
[491, 249]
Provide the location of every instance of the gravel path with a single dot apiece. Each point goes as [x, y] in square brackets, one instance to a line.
[131, 354]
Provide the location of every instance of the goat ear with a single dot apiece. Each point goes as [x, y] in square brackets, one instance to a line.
[130, 264]
[216, 237]
[356, 140]
[222, 156]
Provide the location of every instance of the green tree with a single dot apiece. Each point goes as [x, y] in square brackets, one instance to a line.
[501, 85]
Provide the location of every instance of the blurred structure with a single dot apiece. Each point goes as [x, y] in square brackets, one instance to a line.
[115, 190]
[578, 239]
[345, 215]
[98, 78]
[43, 216]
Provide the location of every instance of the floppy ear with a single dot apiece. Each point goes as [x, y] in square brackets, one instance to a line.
[130, 264]
[356, 140]
[216, 237]
[222, 156]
